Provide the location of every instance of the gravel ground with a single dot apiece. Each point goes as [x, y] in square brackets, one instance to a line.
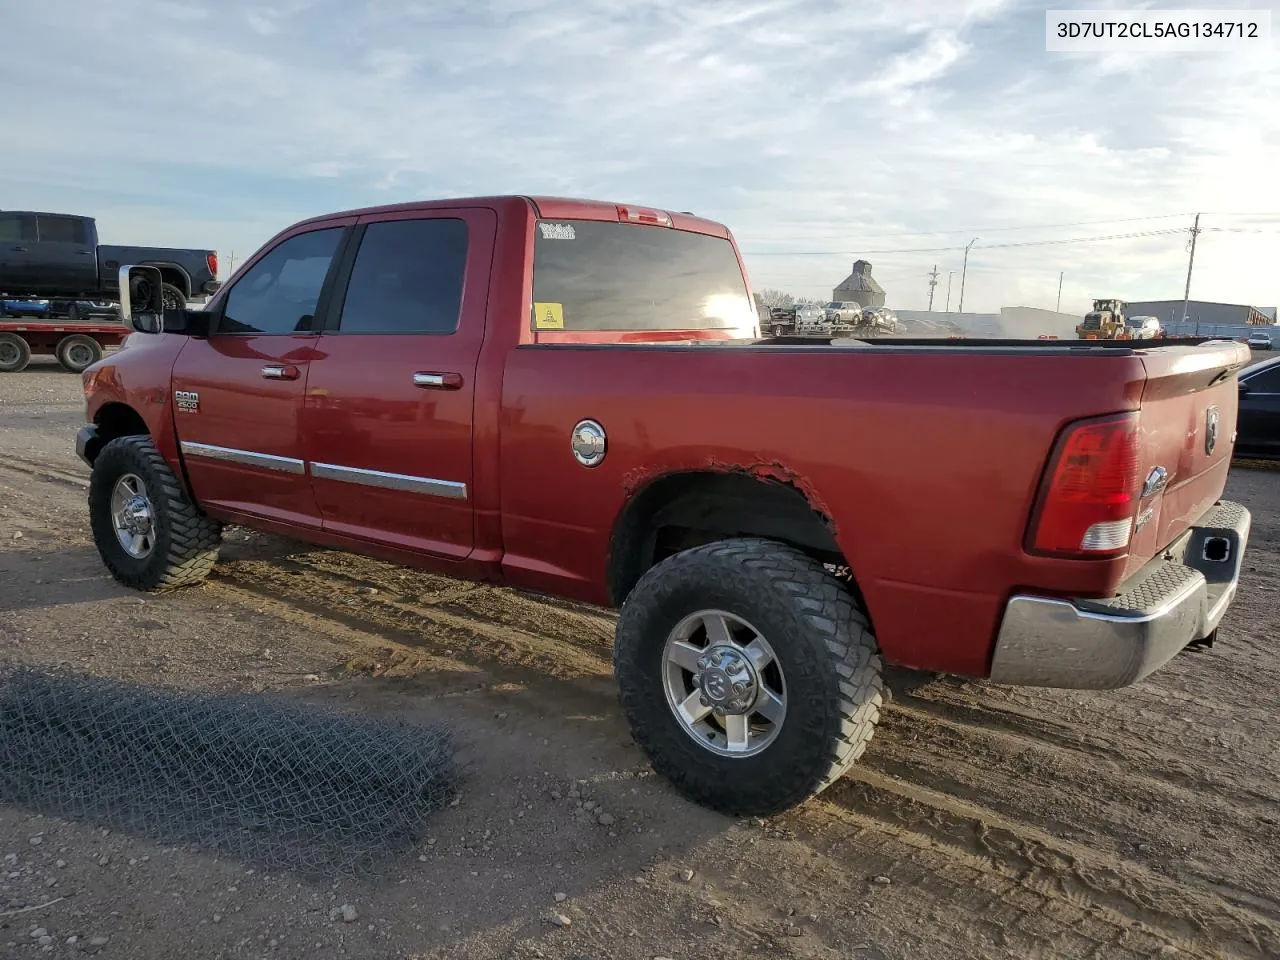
[983, 821]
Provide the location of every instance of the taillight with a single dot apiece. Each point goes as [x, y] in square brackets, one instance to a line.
[212, 260]
[1090, 493]
[635, 215]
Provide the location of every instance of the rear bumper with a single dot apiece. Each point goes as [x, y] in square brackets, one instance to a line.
[210, 287]
[1176, 599]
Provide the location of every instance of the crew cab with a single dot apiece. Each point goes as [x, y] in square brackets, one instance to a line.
[573, 398]
[58, 255]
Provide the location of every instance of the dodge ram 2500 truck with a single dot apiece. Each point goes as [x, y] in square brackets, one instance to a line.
[58, 255]
[572, 398]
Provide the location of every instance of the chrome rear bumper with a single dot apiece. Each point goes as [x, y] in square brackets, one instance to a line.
[1176, 599]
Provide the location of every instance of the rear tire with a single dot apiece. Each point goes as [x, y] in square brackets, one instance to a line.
[15, 353]
[78, 352]
[174, 299]
[152, 537]
[827, 674]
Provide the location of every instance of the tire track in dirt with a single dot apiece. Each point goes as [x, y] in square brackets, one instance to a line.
[1091, 745]
[43, 471]
[1203, 921]
[1124, 814]
[326, 594]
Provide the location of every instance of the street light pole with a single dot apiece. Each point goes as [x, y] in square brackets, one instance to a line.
[1058, 308]
[963, 270]
[950, 274]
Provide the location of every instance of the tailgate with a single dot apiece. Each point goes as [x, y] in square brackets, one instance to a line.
[1188, 425]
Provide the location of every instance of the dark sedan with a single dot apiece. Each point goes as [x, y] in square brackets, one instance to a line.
[1258, 430]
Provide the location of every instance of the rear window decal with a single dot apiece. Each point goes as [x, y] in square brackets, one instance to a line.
[557, 231]
[548, 316]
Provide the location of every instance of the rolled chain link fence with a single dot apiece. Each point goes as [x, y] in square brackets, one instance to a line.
[252, 777]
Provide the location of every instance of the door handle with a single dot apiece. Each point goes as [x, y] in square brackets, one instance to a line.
[437, 381]
[85, 253]
[277, 371]
[21, 250]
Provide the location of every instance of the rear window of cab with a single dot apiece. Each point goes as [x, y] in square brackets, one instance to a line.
[593, 275]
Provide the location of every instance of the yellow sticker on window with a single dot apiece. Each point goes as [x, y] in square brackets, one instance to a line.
[548, 316]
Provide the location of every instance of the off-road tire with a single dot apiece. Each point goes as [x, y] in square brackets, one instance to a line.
[822, 640]
[186, 541]
[19, 355]
[65, 346]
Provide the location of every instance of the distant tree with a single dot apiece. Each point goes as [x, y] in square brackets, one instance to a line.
[775, 298]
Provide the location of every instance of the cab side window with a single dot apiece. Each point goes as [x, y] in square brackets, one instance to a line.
[407, 278]
[62, 230]
[17, 229]
[1267, 382]
[279, 293]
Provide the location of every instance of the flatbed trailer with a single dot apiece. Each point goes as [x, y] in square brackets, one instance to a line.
[76, 344]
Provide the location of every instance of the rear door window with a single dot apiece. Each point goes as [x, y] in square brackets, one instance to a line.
[61, 230]
[407, 278]
[591, 275]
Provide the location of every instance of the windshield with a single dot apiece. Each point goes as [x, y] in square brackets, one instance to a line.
[600, 275]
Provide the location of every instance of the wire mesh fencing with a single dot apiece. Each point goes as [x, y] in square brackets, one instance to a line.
[248, 776]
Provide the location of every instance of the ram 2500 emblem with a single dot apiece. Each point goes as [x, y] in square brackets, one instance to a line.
[187, 401]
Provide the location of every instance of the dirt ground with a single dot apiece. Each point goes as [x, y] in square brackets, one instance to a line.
[982, 822]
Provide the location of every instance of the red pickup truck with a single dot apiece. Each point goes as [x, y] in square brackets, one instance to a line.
[572, 398]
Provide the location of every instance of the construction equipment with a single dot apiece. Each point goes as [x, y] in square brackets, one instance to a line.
[1104, 322]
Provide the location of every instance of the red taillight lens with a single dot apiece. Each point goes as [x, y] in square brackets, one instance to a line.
[212, 261]
[1090, 494]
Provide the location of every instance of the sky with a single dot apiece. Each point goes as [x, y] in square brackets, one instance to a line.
[819, 131]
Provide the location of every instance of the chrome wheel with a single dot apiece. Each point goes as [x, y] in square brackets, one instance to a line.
[133, 517]
[724, 684]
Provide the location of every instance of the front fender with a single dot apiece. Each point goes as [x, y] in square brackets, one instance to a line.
[133, 385]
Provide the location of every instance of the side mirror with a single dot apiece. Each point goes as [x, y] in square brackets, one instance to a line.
[142, 299]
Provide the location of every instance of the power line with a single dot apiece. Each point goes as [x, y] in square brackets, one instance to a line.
[989, 246]
[1002, 229]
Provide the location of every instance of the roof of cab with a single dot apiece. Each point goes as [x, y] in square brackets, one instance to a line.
[563, 208]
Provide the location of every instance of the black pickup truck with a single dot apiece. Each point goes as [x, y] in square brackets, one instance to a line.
[58, 255]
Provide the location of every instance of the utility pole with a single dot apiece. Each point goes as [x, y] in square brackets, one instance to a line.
[933, 282]
[950, 274]
[1058, 308]
[963, 270]
[1186, 296]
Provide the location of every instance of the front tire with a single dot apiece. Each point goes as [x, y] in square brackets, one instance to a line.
[149, 534]
[748, 674]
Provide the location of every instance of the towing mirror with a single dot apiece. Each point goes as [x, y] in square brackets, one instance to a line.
[142, 299]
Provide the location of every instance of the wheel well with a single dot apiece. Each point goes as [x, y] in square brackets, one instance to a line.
[177, 278]
[686, 510]
[115, 420]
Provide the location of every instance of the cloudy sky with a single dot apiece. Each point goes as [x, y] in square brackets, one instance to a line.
[819, 130]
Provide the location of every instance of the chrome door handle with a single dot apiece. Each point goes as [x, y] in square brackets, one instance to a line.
[276, 371]
[437, 381]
